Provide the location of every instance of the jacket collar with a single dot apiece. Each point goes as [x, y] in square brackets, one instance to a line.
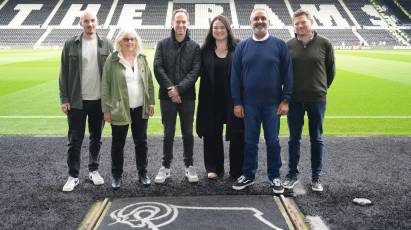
[80, 37]
[314, 37]
[173, 36]
[115, 56]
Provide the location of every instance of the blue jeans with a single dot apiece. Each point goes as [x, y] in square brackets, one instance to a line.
[254, 116]
[315, 112]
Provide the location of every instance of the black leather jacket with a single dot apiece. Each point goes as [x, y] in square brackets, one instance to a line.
[177, 64]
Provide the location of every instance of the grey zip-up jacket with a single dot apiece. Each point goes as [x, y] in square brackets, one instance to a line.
[70, 69]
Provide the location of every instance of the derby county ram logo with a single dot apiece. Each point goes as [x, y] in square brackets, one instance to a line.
[154, 215]
[150, 215]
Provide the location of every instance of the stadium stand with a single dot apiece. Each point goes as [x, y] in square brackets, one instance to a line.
[31, 13]
[69, 12]
[364, 12]
[406, 4]
[149, 37]
[325, 12]
[19, 38]
[57, 36]
[151, 13]
[202, 14]
[342, 38]
[379, 37]
[347, 23]
[397, 14]
[280, 16]
[408, 32]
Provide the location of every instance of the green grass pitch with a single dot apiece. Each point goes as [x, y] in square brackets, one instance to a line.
[371, 94]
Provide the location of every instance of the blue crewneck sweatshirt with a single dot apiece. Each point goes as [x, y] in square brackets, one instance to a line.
[261, 72]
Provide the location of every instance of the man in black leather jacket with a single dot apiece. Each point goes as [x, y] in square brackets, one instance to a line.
[176, 68]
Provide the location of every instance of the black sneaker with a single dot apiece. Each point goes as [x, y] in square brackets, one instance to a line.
[144, 180]
[290, 181]
[277, 186]
[242, 183]
[116, 183]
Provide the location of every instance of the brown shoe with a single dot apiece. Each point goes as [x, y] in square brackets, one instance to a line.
[212, 175]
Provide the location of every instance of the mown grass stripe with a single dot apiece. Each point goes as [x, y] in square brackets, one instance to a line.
[384, 69]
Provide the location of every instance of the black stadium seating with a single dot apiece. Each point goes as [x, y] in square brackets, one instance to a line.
[346, 23]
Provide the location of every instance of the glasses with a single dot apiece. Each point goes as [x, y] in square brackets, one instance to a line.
[129, 39]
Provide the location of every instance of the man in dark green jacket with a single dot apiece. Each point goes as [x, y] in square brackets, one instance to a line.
[314, 71]
[82, 62]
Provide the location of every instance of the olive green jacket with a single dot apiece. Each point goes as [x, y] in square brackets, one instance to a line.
[70, 70]
[114, 94]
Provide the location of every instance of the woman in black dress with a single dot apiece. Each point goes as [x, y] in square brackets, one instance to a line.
[215, 106]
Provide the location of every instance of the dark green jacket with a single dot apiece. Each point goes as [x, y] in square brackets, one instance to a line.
[313, 67]
[114, 93]
[70, 69]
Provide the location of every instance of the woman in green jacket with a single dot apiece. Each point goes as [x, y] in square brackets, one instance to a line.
[127, 99]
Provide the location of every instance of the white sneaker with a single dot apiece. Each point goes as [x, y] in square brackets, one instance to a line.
[316, 185]
[96, 178]
[70, 184]
[277, 186]
[162, 175]
[191, 174]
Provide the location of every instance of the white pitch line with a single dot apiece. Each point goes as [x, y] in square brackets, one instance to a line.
[32, 117]
[367, 117]
[45, 117]
[283, 117]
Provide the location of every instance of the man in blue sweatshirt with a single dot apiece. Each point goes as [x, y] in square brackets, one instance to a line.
[261, 84]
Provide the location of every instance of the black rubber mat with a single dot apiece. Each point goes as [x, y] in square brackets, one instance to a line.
[194, 212]
[34, 170]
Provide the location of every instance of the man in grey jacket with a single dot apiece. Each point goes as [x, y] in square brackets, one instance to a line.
[82, 61]
[176, 68]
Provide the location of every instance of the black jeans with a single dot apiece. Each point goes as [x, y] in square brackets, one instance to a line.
[169, 112]
[214, 152]
[76, 119]
[236, 154]
[119, 135]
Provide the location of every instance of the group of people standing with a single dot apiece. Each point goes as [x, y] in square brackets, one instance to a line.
[243, 85]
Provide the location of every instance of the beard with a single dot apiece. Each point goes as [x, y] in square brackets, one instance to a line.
[90, 31]
[260, 30]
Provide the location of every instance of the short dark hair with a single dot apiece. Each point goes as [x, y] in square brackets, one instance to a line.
[181, 10]
[301, 12]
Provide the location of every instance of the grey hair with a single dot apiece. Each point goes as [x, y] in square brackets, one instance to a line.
[181, 10]
[123, 33]
[255, 10]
